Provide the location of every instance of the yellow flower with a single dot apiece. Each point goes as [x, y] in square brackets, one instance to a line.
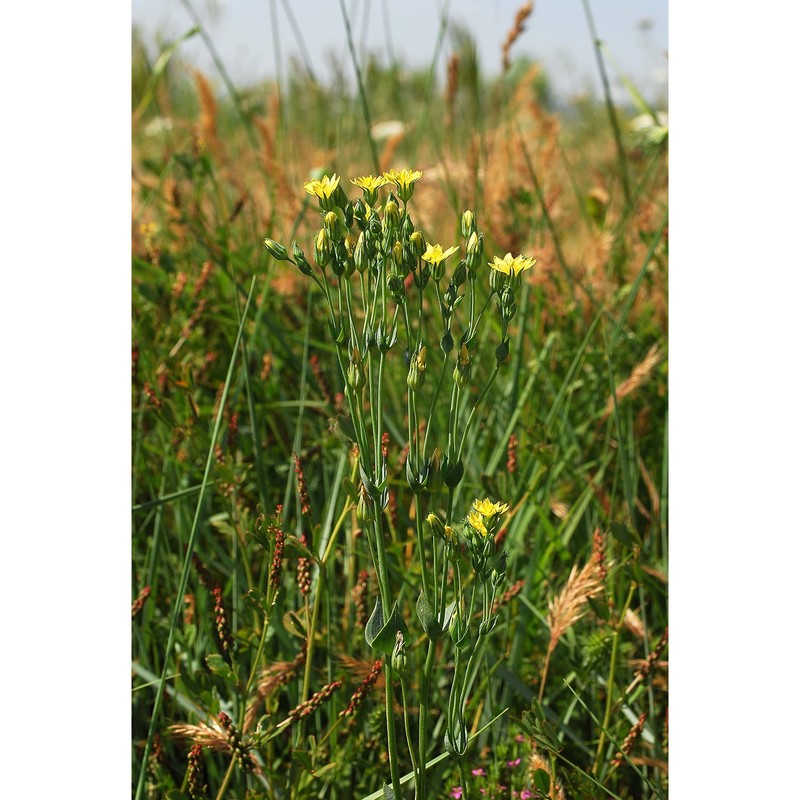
[434, 255]
[404, 180]
[487, 509]
[370, 184]
[512, 265]
[324, 188]
[476, 523]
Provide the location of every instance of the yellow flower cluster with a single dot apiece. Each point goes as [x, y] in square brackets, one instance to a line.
[434, 254]
[483, 514]
[512, 265]
[323, 188]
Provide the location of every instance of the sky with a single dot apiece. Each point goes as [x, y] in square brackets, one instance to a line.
[556, 34]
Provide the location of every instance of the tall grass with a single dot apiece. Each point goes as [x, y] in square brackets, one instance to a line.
[236, 387]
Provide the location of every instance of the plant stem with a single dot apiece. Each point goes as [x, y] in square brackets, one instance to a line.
[409, 738]
[610, 681]
[424, 690]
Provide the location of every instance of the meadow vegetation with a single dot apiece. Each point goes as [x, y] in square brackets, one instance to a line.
[399, 420]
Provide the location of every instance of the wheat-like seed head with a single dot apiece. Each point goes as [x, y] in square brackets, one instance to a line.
[570, 604]
[211, 736]
[639, 375]
[523, 12]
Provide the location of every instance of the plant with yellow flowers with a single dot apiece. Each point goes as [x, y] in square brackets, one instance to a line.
[377, 271]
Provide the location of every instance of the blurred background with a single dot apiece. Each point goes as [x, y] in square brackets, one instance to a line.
[259, 41]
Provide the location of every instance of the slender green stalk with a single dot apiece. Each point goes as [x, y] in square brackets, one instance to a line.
[621, 160]
[184, 579]
[610, 680]
[412, 745]
[361, 92]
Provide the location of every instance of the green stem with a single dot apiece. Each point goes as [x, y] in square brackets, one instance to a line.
[610, 681]
[411, 745]
[390, 731]
[424, 711]
[471, 417]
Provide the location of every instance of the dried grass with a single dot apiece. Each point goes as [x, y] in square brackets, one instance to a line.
[638, 377]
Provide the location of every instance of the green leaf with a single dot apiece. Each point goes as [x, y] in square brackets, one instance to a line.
[374, 623]
[382, 636]
[427, 618]
[219, 666]
[255, 601]
[541, 780]
[295, 624]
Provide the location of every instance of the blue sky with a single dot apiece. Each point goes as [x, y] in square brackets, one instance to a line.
[556, 34]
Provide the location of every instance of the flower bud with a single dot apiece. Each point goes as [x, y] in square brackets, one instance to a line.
[349, 260]
[276, 250]
[322, 248]
[300, 260]
[416, 371]
[397, 256]
[474, 251]
[333, 227]
[435, 525]
[400, 655]
[360, 254]
[397, 288]
[391, 216]
[435, 472]
[451, 548]
[417, 241]
[462, 371]
[460, 273]
[508, 305]
[364, 511]
[468, 225]
[355, 372]
[497, 280]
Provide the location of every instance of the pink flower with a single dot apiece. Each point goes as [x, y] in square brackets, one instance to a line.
[525, 794]
[515, 763]
[456, 792]
[479, 773]
[519, 738]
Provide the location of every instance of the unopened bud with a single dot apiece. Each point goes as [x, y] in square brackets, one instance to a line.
[497, 280]
[391, 216]
[322, 248]
[360, 254]
[332, 226]
[436, 526]
[474, 251]
[462, 371]
[301, 260]
[416, 371]
[355, 372]
[364, 510]
[460, 273]
[468, 225]
[400, 655]
[276, 250]
[417, 241]
[397, 255]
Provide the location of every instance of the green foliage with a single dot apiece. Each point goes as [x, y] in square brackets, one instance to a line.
[276, 555]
